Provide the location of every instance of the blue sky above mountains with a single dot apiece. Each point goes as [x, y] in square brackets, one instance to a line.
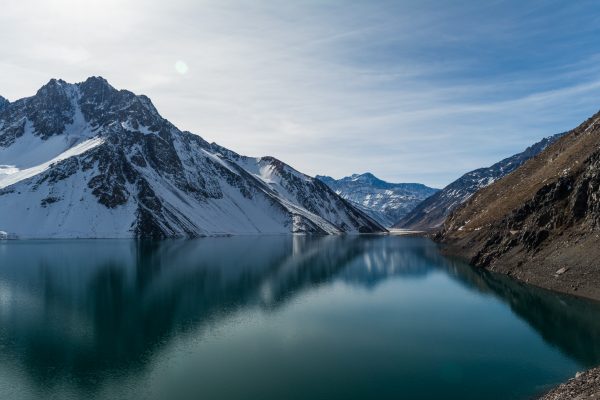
[413, 91]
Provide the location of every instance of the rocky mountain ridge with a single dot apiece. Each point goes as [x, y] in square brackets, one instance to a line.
[384, 201]
[88, 160]
[432, 212]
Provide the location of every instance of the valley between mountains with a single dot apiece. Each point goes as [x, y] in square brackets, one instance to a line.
[86, 160]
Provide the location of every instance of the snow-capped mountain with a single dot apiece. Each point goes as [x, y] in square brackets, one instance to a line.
[87, 160]
[385, 202]
[432, 212]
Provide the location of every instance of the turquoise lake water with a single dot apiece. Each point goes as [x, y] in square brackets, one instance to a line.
[282, 317]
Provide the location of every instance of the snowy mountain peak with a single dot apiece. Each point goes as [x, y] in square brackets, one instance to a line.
[88, 160]
[365, 177]
[369, 179]
[97, 81]
[59, 107]
[384, 201]
[53, 84]
[98, 89]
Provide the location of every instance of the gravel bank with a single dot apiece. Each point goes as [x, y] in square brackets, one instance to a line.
[584, 386]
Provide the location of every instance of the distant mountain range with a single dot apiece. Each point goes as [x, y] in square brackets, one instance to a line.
[541, 223]
[87, 160]
[431, 213]
[383, 201]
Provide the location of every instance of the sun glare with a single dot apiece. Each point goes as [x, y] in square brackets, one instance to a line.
[181, 67]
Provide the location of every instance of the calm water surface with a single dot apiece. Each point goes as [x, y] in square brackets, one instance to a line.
[277, 318]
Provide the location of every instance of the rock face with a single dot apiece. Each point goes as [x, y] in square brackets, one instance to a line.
[383, 201]
[3, 103]
[541, 223]
[431, 213]
[87, 160]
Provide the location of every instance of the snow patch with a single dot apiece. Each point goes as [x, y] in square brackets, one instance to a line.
[11, 175]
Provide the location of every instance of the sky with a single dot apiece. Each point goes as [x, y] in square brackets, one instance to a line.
[412, 91]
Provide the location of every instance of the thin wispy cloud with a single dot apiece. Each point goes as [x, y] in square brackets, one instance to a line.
[411, 91]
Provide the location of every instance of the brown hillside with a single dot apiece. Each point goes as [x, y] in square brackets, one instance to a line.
[540, 223]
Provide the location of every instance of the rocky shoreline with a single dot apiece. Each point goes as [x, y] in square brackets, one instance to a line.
[585, 385]
[568, 273]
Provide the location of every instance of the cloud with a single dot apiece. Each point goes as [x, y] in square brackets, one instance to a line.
[408, 90]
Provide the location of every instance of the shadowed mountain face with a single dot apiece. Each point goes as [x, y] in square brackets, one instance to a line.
[383, 201]
[3, 102]
[95, 318]
[86, 160]
[541, 223]
[432, 212]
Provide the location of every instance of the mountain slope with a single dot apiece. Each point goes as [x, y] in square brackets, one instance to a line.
[3, 103]
[383, 201]
[542, 222]
[87, 160]
[432, 212]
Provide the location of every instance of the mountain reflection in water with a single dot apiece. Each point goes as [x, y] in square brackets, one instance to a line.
[86, 311]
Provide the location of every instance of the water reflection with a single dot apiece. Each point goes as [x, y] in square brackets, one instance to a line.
[572, 324]
[569, 323]
[92, 309]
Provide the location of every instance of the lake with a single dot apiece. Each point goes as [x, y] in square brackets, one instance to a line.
[278, 317]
